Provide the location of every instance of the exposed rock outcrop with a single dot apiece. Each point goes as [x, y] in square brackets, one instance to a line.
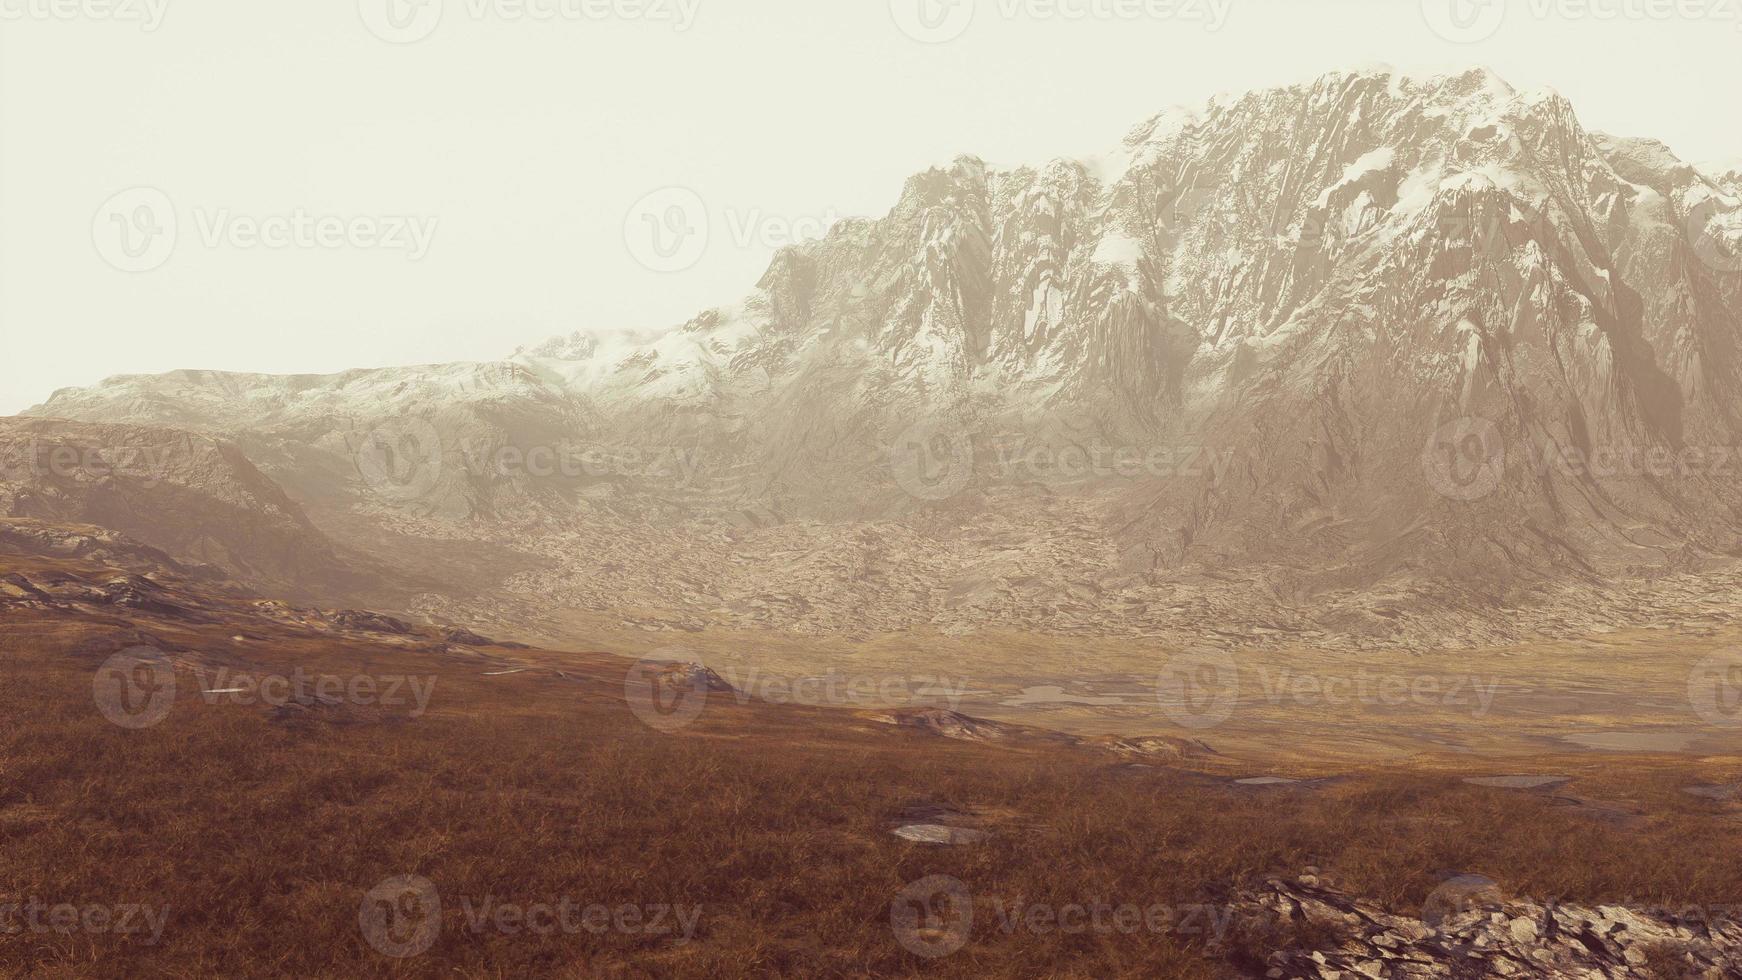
[1305, 929]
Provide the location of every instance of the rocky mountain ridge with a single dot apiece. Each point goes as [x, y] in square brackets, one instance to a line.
[189, 496]
[1368, 333]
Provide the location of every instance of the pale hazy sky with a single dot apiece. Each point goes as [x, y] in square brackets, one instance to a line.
[476, 166]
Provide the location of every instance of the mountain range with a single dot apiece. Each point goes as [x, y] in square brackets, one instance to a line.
[1372, 359]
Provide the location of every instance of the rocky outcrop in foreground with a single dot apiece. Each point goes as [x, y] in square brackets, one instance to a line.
[1468, 929]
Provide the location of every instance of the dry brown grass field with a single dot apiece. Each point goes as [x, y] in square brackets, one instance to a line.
[256, 834]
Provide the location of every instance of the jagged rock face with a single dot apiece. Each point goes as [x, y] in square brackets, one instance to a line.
[1313, 284]
[1725, 173]
[1368, 260]
[192, 497]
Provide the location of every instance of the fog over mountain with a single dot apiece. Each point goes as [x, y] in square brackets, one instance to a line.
[1361, 359]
